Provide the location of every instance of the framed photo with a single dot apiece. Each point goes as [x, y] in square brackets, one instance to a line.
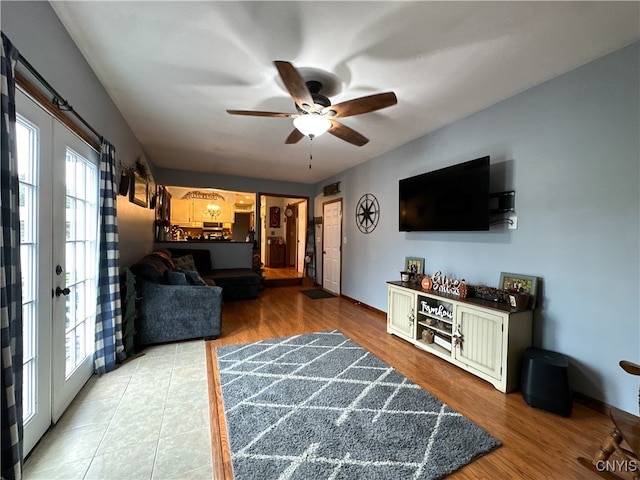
[162, 203]
[274, 217]
[414, 265]
[139, 191]
[524, 283]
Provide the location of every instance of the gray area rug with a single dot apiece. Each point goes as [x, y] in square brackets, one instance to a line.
[319, 406]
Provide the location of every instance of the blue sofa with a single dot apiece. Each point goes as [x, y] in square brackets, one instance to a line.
[170, 307]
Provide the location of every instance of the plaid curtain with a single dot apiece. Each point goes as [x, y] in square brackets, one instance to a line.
[10, 276]
[109, 346]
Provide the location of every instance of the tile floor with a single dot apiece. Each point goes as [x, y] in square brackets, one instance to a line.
[149, 419]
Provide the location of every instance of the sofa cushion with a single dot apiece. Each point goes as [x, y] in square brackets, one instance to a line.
[201, 257]
[176, 278]
[185, 262]
[225, 277]
[152, 268]
[194, 277]
[236, 283]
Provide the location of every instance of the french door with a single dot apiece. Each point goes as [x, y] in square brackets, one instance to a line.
[58, 246]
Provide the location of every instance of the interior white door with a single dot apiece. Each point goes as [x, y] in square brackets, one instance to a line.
[58, 235]
[331, 246]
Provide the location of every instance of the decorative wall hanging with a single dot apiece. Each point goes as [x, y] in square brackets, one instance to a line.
[198, 195]
[367, 213]
[274, 217]
[138, 193]
[331, 189]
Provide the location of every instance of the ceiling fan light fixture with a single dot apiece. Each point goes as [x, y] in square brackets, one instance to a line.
[312, 124]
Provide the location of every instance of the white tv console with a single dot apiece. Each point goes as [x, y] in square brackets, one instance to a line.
[484, 338]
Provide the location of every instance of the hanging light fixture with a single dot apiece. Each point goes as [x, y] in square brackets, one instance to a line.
[213, 210]
[312, 124]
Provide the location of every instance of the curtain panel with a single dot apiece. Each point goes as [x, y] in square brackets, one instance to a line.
[109, 345]
[10, 275]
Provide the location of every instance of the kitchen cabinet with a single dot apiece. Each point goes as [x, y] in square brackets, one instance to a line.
[194, 212]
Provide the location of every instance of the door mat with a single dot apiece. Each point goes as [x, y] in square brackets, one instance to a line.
[316, 293]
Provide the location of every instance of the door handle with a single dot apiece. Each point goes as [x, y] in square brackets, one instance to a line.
[62, 291]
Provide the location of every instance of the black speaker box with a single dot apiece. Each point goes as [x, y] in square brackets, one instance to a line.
[545, 381]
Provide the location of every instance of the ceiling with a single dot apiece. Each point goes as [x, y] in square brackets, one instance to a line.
[174, 68]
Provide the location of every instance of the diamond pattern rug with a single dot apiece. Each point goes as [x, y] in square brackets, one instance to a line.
[318, 406]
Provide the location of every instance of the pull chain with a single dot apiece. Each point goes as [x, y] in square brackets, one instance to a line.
[310, 150]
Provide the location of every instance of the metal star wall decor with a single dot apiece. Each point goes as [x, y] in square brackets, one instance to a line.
[367, 213]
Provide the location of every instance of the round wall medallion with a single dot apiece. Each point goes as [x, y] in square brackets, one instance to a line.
[367, 213]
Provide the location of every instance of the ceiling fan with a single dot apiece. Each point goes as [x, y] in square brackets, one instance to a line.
[315, 114]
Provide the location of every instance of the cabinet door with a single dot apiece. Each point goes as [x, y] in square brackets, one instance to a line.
[180, 211]
[402, 312]
[227, 214]
[482, 340]
[200, 212]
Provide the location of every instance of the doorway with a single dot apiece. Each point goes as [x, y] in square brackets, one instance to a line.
[58, 174]
[283, 233]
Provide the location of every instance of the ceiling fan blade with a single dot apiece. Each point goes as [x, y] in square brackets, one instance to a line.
[367, 104]
[294, 137]
[296, 85]
[256, 113]
[347, 134]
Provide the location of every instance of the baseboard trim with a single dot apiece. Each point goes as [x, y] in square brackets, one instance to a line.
[364, 305]
[590, 402]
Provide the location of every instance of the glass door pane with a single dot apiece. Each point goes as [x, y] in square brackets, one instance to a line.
[27, 140]
[81, 259]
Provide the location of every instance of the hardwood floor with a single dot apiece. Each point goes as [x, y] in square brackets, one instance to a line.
[536, 444]
[284, 272]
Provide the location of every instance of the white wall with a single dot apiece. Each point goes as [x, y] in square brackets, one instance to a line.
[570, 149]
[36, 32]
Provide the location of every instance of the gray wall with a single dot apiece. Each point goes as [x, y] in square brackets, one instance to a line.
[39, 36]
[182, 178]
[570, 150]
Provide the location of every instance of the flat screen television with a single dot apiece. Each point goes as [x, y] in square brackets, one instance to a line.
[454, 198]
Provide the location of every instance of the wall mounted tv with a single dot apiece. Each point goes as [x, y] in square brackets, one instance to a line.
[454, 198]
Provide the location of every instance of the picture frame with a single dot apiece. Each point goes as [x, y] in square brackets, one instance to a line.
[274, 217]
[139, 191]
[414, 265]
[526, 283]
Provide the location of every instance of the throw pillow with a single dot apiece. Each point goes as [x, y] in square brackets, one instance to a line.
[194, 278]
[177, 278]
[185, 262]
